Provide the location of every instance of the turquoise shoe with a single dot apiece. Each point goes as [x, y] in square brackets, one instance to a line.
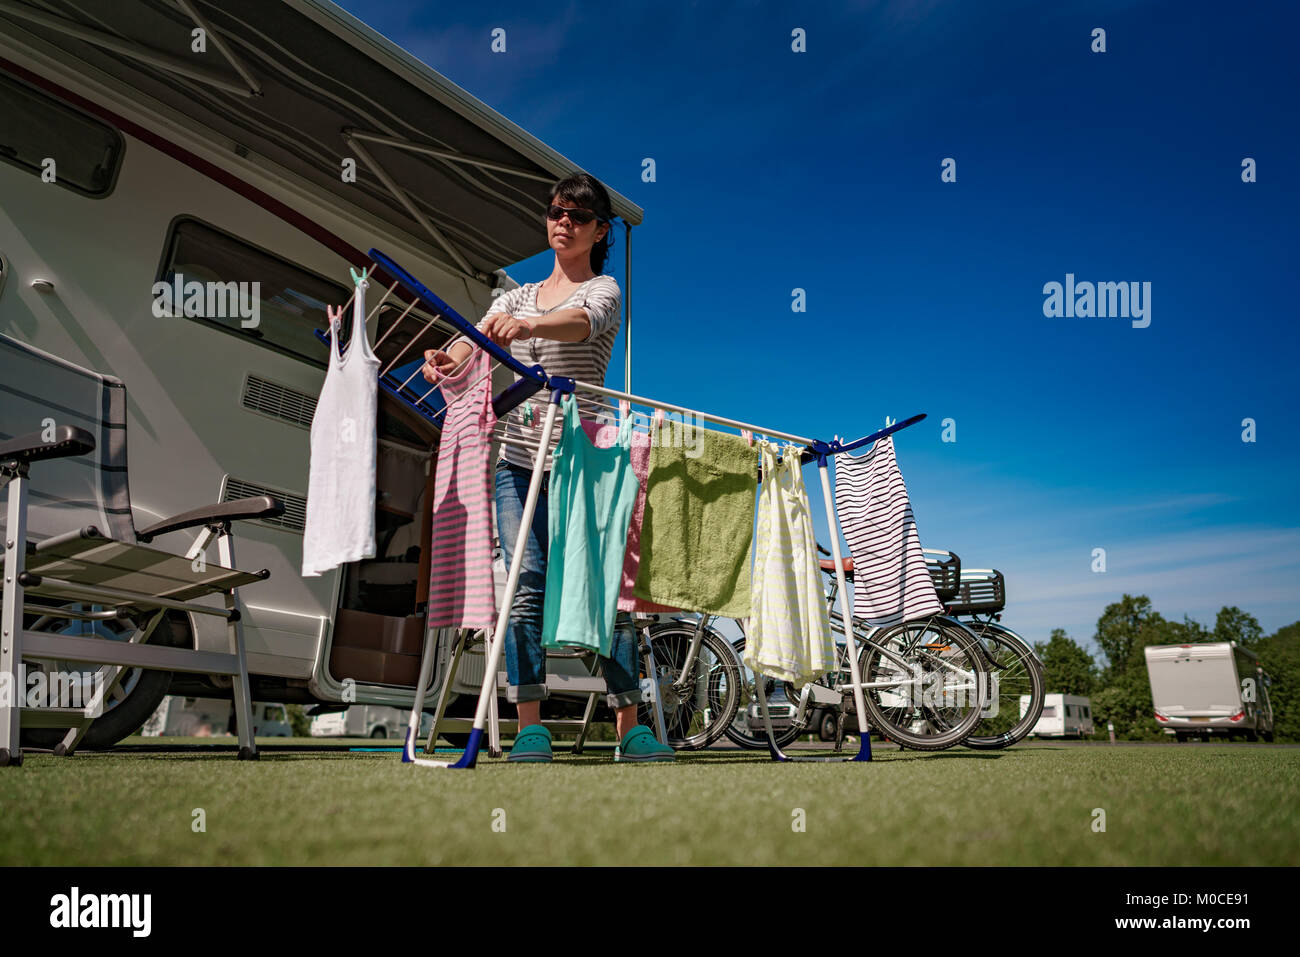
[640, 744]
[532, 743]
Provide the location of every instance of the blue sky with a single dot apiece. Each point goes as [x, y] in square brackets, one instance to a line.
[821, 171]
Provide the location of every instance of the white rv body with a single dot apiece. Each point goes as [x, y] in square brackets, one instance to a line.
[1209, 689]
[1064, 716]
[366, 721]
[214, 414]
[182, 717]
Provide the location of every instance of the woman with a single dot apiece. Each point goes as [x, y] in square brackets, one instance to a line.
[566, 323]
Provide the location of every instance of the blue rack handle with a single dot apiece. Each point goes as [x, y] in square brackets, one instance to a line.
[821, 450]
[417, 288]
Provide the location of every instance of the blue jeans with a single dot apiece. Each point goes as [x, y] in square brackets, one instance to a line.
[525, 656]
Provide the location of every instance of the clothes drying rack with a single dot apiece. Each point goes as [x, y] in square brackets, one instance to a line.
[530, 381]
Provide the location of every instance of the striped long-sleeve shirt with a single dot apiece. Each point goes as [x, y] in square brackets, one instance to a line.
[586, 361]
[890, 581]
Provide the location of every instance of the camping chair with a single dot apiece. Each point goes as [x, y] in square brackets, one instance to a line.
[103, 571]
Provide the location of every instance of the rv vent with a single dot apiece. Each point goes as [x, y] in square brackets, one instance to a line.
[294, 518]
[279, 401]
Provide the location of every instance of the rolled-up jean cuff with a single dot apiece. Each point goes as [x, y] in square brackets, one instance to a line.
[624, 698]
[517, 693]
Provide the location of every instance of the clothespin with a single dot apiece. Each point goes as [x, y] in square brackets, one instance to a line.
[624, 410]
[748, 436]
[528, 413]
[659, 418]
[358, 279]
[335, 314]
[889, 421]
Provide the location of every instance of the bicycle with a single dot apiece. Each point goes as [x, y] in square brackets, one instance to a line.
[697, 683]
[976, 597]
[929, 670]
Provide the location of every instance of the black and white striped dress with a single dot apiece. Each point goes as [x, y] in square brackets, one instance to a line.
[890, 581]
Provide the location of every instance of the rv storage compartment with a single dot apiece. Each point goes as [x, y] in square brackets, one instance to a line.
[377, 649]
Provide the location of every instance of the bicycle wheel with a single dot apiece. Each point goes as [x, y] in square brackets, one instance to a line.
[1016, 676]
[699, 707]
[746, 727]
[925, 683]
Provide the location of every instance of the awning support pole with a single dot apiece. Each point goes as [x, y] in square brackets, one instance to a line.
[627, 308]
[400, 195]
[253, 86]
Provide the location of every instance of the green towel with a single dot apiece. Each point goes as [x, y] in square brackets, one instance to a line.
[698, 530]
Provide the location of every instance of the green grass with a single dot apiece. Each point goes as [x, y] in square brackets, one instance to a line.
[1030, 805]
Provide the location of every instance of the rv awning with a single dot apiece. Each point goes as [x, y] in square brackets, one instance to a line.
[304, 84]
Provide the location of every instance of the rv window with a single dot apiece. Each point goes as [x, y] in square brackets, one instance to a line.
[282, 312]
[1086, 713]
[36, 129]
[1049, 711]
[1068, 713]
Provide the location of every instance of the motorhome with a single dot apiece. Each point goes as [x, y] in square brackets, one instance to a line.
[258, 148]
[183, 717]
[365, 721]
[1064, 716]
[1210, 689]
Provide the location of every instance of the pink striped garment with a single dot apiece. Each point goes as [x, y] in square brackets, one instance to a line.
[461, 592]
[603, 436]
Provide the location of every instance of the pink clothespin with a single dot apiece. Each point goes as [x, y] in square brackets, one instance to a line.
[659, 418]
[335, 314]
[624, 409]
[748, 436]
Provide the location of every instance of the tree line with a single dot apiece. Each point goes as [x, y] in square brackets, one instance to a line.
[1119, 687]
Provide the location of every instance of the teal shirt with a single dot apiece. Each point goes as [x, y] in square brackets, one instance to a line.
[591, 496]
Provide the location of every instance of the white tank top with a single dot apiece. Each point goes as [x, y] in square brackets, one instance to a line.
[341, 488]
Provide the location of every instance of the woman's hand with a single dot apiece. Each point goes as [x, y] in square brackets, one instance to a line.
[503, 328]
[438, 364]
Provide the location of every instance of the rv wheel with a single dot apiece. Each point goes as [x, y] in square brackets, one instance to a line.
[137, 696]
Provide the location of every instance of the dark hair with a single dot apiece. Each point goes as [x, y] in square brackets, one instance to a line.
[587, 192]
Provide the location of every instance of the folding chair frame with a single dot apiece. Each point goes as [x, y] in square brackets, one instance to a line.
[20, 585]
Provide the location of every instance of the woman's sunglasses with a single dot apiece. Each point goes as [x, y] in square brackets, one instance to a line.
[579, 217]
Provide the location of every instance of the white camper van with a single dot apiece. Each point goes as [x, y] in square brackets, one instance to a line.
[266, 166]
[1064, 716]
[182, 717]
[366, 721]
[1215, 689]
